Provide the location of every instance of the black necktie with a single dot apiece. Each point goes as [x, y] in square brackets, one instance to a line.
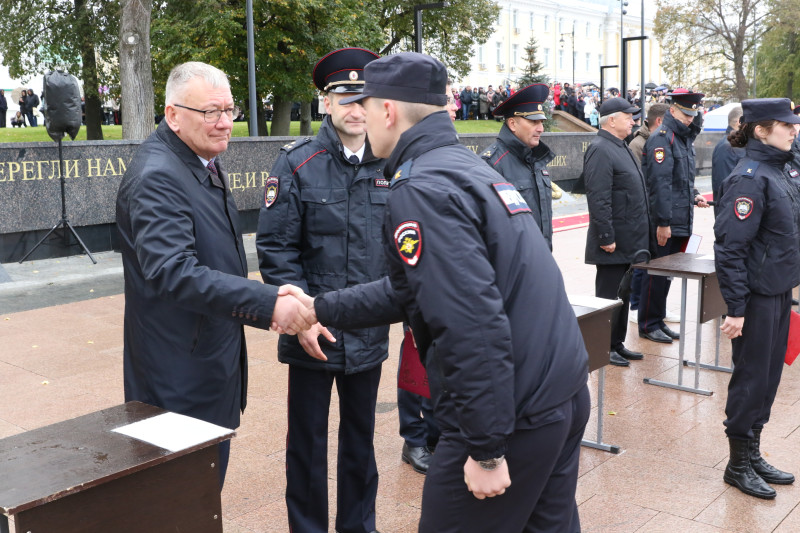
[354, 159]
[215, 178]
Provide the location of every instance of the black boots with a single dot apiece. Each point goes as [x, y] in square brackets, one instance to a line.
[740, 473]
[768, 473]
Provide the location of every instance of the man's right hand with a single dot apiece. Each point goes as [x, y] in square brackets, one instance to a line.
[290, 316]
[663, 234]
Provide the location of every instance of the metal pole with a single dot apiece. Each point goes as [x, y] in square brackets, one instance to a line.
[251, 71]
[642, 90]
[417, 29]
[573, 54]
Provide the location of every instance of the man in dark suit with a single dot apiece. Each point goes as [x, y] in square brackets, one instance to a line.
[187, 295]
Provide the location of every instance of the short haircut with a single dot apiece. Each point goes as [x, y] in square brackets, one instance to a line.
[734, 115]
[414, 112]
[656, 112]
[185, 72]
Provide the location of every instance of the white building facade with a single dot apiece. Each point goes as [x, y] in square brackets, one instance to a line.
[573, 40]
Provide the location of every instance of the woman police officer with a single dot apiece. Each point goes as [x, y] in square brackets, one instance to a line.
[757, 263]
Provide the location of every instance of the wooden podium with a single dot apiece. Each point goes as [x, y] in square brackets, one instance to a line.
[85, 475]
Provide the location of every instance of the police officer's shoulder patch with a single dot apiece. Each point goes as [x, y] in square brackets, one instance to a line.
[489, 152]
[511, 198]
[403, 172]
[743, 207]
[296, 144]
[408, 240]
[748, 167]
[658, 155]
[271, 190]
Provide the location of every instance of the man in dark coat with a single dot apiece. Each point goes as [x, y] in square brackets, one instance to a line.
[521, 157]
[669, 168]
[31, 104]
[320, 229]
[467, 265]
[725, 157]
[3, 108]
[618, 213]
[466, 102]
[187, 295]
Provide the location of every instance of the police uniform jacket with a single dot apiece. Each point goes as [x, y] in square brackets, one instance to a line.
[186, 289]
[617, 200]
[669, 168]
[472, 273]
[756, 234]
[723, 160]
[526, 169]
[322, 232]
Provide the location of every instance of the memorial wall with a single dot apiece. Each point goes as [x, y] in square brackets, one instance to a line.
[31, 196]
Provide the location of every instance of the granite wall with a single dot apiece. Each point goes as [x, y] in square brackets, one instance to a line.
[31, 197]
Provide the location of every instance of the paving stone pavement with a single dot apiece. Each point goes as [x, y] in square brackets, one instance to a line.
[61, 357]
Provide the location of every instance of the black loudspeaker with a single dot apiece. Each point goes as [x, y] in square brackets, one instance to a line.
[62, 99]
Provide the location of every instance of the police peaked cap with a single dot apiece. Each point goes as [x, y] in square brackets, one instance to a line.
[406, 77]
[759, 109]
[686, 100]
[527, 103]
[342, 71]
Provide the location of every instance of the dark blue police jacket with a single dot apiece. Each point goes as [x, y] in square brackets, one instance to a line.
[484, 297]
[186, 289]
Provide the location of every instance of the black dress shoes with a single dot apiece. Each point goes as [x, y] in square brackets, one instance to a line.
[656, 336]
[630, 355]
[418, 457]
[670, 333]
[617, 360]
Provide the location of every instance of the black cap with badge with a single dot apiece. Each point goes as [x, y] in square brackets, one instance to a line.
[406, 77]
[686, 100]
[759, 109]
[527, 102]
[617, 105]
[342, 71]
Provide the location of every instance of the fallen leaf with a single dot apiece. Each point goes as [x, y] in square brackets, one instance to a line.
[45, 382]
[612, 413]
[90, 342]
[91, 290]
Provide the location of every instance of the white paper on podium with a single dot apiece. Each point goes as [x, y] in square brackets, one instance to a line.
[173, 432]
[693, 244]
[593, 302]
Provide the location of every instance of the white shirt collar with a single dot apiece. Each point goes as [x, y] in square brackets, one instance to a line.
[359, 154]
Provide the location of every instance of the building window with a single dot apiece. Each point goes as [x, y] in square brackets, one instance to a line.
[547, 23]
[547, 58]
[588, 29]
[530, 23]
[600, 59]
[561, 59]
[480, 55]
[600, 31]
[561, 25]
[588, 61]
[514, 49]
[499, 53]
[514, 19]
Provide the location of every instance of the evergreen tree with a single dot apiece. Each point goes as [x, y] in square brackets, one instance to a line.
[533, 69]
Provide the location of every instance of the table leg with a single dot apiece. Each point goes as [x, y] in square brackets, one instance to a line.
[682, 341]
[599, 444]
[715, 366]
[698, 337]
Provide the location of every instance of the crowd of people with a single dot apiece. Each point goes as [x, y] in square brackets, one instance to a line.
[26, 115]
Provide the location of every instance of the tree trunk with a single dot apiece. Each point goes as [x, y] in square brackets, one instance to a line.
[281, 116]
[94, 115]
[261, 117]
[135, 69]
[305, 119]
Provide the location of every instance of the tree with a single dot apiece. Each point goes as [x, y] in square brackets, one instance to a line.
[71, 34]
[778, 60]
[136, 74]
[715, 36]
[532, 73]
[449, 34]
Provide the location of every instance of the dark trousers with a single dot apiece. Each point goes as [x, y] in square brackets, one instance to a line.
[307, 450]
[653, 300]
[31, 118]
[3, 118]
[758, 358]
[636, 288]
[606, 284]
[542, 460]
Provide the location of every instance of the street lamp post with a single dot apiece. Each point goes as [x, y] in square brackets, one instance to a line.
[602, 78]
[418, 21]
[572, 42]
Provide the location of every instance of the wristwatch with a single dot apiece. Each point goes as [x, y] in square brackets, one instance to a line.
[491, 464]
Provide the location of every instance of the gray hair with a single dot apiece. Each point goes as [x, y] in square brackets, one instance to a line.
[734, 115]
[604, 119]
[185, 72]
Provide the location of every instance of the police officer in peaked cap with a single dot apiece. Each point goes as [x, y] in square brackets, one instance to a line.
[320, 229]
[520, 156]
[758, 264]
[668, 164]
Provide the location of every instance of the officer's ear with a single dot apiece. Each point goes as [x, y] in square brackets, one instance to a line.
[512, 124]
[326, 100]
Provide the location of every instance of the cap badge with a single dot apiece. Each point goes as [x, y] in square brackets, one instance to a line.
[743, 207]
[408, 240]
[353, 75]
[659, 154]
[540, 107]
[694, 106]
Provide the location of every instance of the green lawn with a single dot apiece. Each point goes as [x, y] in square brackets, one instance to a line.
[110, 133]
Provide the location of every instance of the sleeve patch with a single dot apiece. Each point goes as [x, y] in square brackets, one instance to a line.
[271, 190]
[408, 240]
[511, 198]
[659, 155]
[743, 206]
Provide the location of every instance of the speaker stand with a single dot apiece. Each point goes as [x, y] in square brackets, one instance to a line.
[64, 222]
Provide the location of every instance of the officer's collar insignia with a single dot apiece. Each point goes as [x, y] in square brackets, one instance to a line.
[287, 146]
[398, 174]
[487, 153]
[743, 207]
[793, 173]
[408, 240]
[749, 170]
[511, 198]
[381, 182]
[271, 191]
[659, 155]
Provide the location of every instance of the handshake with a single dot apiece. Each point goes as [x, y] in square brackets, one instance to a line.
[294, 315]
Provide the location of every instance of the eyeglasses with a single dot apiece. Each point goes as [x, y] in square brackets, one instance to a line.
[450, 100]
[211, 116]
